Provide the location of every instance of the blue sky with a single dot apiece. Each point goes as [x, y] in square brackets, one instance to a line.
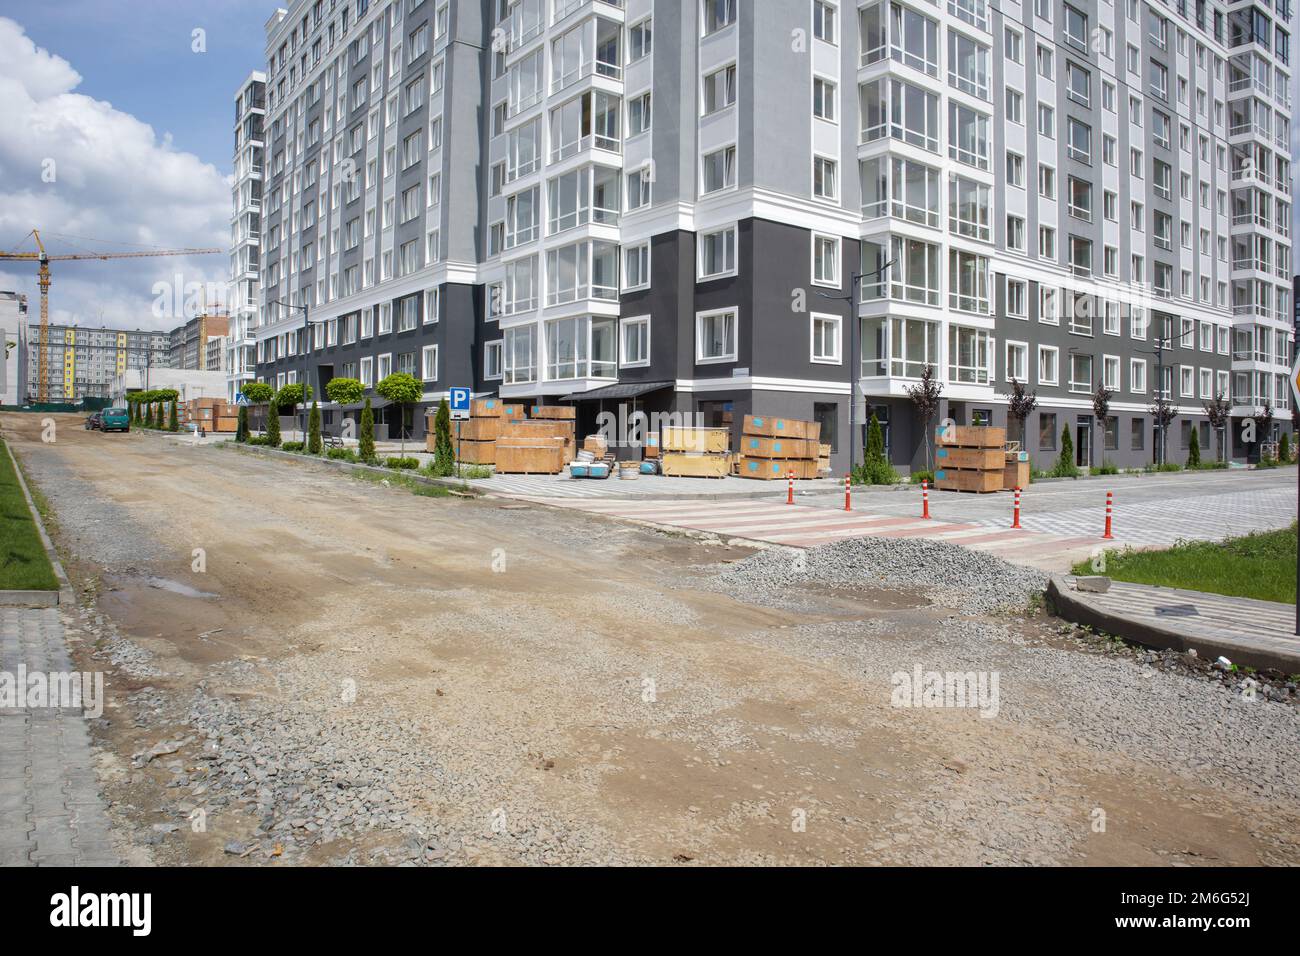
[136, 55]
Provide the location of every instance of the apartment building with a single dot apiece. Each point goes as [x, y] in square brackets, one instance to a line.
[244, 290]
[81, 362]
[13, 337]
[683, 204]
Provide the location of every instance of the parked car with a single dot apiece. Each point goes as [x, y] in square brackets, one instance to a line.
[93, 421]
[115, 420]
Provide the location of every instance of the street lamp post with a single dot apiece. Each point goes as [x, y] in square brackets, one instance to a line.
[1160, 393]
[305, 345]
[855, 367]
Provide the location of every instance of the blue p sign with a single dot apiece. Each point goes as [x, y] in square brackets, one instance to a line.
[458, 399]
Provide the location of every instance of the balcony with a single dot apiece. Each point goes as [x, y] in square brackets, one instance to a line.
[974, 12]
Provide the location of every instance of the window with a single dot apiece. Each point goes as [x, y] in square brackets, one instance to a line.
[1013, 45]
[720, 89]
[1078, 83]
[823, 99]
[826, 339]
[520, 353]
[1047, 182]
[636, 266]
[1048, 357]
[1046, 431]
[826, 260]
[715, 336]
[1017, 298]
[367, 371]
[1015, 233]
[717, 253]
[1076, 28]
[385, 366]
[1017, 362]
[718, 14]
[639, 40]
[825, 183]
[638, 114]
[1046, 121]
[1078, 142]
[719, 169]
[1045, 62]
[824, 20]
[492, 359]
[1137, 434]
[1137, 375]
[432, 306]
[636, 342]
[1016, 170]
[1015, 107]
[429, 363]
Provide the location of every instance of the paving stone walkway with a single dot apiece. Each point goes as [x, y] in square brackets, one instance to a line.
[51, 812]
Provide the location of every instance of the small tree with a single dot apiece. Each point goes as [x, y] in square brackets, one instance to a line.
[1265, 430]
[444, 456]
[1219, 411]
[1163, 414]
[259, 393]
[345, 391]
[1101, 397]
[1194, 449]
[402, 390]
[925, 396]
[313, 430]
[875, 469]
[366, 444]
[173, 424]
[1284, 447]
[1020, 405]
[1065, 466]
[158, 415]
[241, 428]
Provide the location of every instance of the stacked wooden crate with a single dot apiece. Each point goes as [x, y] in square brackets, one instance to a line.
[211, 414]
[564, 423]
[1015, 473]
[479, 432]
[772, 448]
[970, 458]
[695, 452]
[534, 446]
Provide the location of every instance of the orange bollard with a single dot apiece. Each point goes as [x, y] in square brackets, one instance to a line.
[1108, 502]
[789, 494]
[847, 500]
[925, 498]
[1015, 520]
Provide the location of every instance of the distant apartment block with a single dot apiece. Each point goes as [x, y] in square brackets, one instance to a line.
[244, 292]
[188, 343]
[675, 202]
[81, 362]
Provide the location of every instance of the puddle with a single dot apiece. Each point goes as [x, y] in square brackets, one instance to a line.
[175, 587]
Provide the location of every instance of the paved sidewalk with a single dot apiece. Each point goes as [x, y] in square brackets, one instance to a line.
[51, 813]
[804, 526]
[1254, 633]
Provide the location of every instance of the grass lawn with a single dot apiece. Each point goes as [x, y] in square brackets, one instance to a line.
[23, 563]
[1260, 565]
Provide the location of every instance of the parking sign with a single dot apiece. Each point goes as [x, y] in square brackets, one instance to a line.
[458, 399]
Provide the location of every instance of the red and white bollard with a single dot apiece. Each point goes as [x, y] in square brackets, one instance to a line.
[789, 491]
[1109, 494]
[925, 498]
[1015, 515]
[848, 506]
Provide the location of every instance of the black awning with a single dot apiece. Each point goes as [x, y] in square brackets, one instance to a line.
[621, 390]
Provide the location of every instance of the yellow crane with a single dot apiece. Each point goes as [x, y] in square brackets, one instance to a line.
[43, 280]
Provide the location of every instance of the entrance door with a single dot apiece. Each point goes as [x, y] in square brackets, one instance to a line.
[1083, 441]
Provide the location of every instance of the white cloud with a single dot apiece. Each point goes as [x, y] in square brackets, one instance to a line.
[114, 180]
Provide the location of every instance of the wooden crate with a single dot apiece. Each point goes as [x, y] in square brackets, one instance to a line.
[768, 469]
[765, 426]
[754, 446]
[471, 452]
[225, 425]
[495, 408]
[968, 479]
[474, 429]
[596, 444]
[971, 436]
[991, 459]
[698, 440]
[520, 456]
[651, 447]
[1015, 474]
[561, 412]
[536, 428]
[680, 464]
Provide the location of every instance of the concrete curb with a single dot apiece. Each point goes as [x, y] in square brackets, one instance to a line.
[1074, 607]
[64, 595]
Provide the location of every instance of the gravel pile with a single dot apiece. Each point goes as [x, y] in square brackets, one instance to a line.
[952, 576]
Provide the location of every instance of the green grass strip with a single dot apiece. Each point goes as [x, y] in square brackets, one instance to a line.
[24, 565]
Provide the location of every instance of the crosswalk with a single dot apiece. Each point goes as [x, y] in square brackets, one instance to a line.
[802, 526]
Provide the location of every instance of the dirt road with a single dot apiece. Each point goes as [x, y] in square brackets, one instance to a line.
[304, 668]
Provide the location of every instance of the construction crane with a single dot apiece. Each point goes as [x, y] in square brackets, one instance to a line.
[43, 280]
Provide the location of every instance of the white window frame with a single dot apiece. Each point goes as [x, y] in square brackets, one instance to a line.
[1137, 376]
[623, 325]
[424, 363]
[700, 276]
[835, 281]
[499, 345]
[1038, 376]
[838, 357]
[1006, 363]
[700, 358]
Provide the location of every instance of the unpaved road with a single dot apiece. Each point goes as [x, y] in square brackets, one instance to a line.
[357, 674]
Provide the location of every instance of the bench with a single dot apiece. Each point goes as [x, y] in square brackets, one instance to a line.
[330, 441]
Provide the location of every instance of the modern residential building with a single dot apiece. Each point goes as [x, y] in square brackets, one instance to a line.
[683, 204]
[13, 338]
[188, 343]
[189, 383]
[243, 294]
[81, 362]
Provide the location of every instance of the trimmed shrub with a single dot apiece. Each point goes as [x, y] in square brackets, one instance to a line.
[241, 429]
[366, 444]
[1194, 450]
[172, 424]
[919, 476]
[313, 430]
[341, 454]
[402, 463]
[444, 456]
[273, 427]
[1284, 447]
[291, 446]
